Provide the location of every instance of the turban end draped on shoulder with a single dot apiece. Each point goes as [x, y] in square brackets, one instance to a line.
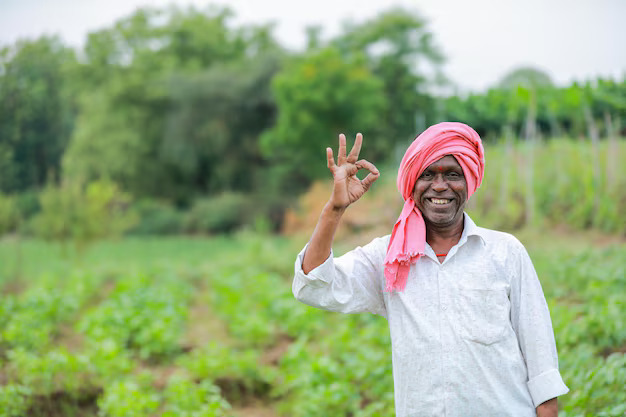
[408, 237]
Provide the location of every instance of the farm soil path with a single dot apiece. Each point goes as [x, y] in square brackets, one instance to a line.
[272, 355]
[204, 326]
[255, 410]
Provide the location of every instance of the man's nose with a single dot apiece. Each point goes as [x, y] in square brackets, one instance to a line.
[439, 184]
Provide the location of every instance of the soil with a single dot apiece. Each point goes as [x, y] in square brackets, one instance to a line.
[255, 410]
[204, 326]
[274, 353]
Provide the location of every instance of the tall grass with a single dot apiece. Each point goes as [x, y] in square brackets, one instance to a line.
[571, 183]
[556, 182]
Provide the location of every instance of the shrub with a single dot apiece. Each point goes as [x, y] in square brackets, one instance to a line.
[157, 218]
[220, 214]
[9, 214]
[72, 212]
[28, 203]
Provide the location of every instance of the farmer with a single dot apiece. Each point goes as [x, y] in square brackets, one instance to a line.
[470, 328]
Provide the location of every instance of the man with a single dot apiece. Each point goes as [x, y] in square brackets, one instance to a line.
[470, 328]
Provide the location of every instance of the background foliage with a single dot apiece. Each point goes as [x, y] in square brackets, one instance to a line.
[177, 121]
[180, 104]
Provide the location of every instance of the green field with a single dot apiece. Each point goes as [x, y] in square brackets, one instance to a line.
[209, 327]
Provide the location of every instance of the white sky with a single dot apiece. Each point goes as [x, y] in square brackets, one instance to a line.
[482, 39]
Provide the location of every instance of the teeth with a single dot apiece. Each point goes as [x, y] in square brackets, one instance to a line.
[440, 200]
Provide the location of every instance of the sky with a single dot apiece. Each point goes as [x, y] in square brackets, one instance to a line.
[482, 39]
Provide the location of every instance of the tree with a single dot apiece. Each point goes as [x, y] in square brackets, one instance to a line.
[211, 138]
[398, 48]
[162, 97]
[527, 77]
[318, 96]
[36, 111]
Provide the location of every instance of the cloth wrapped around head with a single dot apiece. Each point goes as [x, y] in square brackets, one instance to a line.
[408, 238]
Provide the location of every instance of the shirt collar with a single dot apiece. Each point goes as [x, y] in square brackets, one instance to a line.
[470, 229]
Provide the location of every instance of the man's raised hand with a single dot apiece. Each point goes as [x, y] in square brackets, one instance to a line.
[348, 188]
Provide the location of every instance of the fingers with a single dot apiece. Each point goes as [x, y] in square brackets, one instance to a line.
[369, 180]
[330, 159]
[341, 155]
[372, 176]
[365, 164]
[356, 148]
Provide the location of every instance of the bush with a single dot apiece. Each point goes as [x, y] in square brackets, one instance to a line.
[27, 203]
[83, 214]
[220, 214]
[9, 214]
[157, 218]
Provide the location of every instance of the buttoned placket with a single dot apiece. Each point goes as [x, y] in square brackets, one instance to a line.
[446, 339]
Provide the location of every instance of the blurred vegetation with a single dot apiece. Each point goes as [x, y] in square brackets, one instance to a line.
[553, 184]
[82, 214]
[175, 121]
[176, 105]
[209, 327]
[541, 185]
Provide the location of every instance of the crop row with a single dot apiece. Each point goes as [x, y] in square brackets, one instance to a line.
[114, 344]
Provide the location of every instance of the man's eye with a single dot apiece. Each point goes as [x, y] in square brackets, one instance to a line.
[426, 175]
[454, 175]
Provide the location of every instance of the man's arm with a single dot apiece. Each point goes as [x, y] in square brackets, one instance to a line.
[347, 188]
[530, 318]
[549, 408]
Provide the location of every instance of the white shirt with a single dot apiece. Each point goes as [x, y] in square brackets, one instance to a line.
[471, 336]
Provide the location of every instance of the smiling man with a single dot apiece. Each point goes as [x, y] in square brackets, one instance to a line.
[470, 328]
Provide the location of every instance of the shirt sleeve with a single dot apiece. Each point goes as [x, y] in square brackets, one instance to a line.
[531, 321]
[351, 283]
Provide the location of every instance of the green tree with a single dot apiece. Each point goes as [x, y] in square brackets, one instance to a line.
[210, 143]
[155, 119]
[400, 51]
[36, 111]
[527, 77]
[318, 96]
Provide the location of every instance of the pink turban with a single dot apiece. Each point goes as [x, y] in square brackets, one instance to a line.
[409, 233]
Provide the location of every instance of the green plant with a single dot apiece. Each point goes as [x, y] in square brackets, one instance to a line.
[82, 214]
[220, 214]
[186, 398]
[157, 218]
[130, 397]
[14, 400]
[145, 314]
[9, 214]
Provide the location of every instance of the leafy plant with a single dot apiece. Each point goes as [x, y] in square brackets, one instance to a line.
[81, 215]
[130, 397]
[186, 398]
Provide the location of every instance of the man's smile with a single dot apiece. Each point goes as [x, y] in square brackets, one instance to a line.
[439, 201]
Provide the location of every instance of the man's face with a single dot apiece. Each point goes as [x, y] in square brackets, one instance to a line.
[441, 192]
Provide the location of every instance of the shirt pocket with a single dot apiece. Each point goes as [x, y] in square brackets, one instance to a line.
[482, 314]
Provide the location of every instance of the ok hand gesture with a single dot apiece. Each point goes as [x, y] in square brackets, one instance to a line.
[348, 188]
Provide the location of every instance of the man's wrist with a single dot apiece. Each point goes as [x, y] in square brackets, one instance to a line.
[548, 408]
[333, 210]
